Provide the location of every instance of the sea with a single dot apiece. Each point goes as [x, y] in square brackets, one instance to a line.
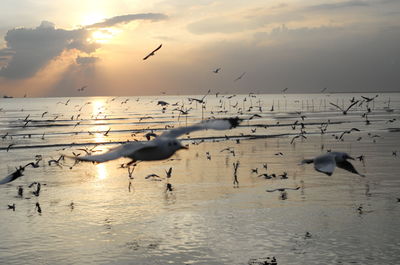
[217, 207]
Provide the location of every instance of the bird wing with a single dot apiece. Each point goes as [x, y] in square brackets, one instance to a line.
[147, 56]
[13, 176]
[159, 47]
[343, 133]
[208, 92]
[217, 124]
[283, 189]
[336, 106]
[346, 165]
[152, 52]
[325, 163]
[307, 161]
[120, 151]
[240, 77]
[351, 105]
[297, 136]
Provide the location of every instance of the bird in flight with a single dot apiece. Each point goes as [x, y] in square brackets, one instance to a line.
[369, 99]
[82, 88]
[201, 101]
[152, 53]
[326, 163]
[283, 189]
[216, 71]
[344, 110]
[240, 77]
[348, 132]
[163, 146]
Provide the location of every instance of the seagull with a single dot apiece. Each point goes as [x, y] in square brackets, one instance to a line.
[82, 88]
[298, 136]
[163, 146]
[283, 189]
[152, 53]
[13, 176]
[266, 176]
[11, 207]
[346, 110]
[18, 172]
[162, 103]
[168, 173]
[37, 207]
[369, 99]
[66, 102]
[201, 101]
[216, 71]
[254, 116]
[326, 163]
[154, 177]
[9, 147]
[240, 77]
[348, 132]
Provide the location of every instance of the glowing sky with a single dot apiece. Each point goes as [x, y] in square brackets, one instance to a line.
[52, 48]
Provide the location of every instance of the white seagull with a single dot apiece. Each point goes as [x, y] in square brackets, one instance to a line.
[163, 146]
[326, 163]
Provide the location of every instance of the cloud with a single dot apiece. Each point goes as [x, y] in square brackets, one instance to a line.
[234, 24]
[339, 5]
[86, 59]
[28, 50]
[32, 49]
[303, 34]
[128, 18]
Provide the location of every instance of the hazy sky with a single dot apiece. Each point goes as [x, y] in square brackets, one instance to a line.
[52, 48]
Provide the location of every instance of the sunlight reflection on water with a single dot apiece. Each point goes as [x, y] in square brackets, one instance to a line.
[101, 171]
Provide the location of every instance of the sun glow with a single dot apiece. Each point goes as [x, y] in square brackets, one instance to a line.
[93, 18]
[103, 35]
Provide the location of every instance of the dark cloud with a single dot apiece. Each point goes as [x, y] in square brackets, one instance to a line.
[128, 18]
[86, 59]
[308, 59]
[32, 49]
[339, 5]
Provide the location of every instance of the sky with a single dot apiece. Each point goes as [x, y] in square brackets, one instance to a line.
[52, 48]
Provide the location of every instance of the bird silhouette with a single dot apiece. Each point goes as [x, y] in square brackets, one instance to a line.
[152, 53]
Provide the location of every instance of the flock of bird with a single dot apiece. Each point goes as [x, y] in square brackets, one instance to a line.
[163, 146]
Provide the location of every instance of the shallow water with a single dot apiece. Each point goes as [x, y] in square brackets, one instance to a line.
[205, 219]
